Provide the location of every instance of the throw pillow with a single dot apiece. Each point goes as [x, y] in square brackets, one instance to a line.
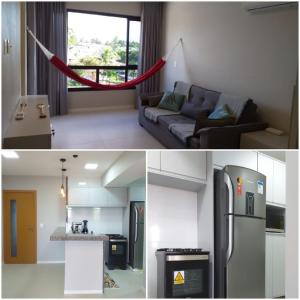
[193, 111]
[220, 113]
[171, 101]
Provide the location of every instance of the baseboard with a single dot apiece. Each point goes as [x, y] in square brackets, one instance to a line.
[50, 262]
[82, 292]
[104, 108]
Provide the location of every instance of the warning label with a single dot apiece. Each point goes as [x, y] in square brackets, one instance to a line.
[113, 247]
[178, 277]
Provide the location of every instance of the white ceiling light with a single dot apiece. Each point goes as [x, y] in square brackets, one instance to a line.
[91, 166]
[81, 183]
[10, 154]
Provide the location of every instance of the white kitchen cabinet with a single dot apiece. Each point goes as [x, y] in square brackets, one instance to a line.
[275, 265]
[274, 171]
[117, 197]
[266, 166]
[79, 196]
[247, 159]
[186, 163]
[269, 267]
[279, 183]
[184, 170]
[278, 265]
[153, 158]
[98, 197]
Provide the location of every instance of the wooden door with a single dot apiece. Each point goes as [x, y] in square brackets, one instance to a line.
[19, 227]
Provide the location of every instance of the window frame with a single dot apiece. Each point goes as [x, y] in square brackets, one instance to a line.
[126, 67]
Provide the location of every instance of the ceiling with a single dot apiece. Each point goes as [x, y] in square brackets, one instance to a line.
[46, 163]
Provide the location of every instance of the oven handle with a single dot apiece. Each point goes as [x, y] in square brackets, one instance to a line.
[136, 224]
[230, 216]
[118, 241]
[187, 257]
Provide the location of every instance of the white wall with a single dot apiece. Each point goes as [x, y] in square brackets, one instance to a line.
[292, 225]
[50, 212]
[229, 50]
[79, 101]
[100, 220]
[11, 70]
[205, 216]
[171, 223]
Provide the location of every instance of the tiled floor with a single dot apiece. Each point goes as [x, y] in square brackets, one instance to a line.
[102, 130]
[47, 281]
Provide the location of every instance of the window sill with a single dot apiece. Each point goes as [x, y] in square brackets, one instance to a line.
[87, 89]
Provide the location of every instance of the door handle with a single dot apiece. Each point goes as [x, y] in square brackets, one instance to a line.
[136, 224]
[228, 183]
[30, 229]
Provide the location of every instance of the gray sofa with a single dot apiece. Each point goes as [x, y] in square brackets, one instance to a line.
[190, 127]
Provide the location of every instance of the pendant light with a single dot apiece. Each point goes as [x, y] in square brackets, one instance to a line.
[62, 188]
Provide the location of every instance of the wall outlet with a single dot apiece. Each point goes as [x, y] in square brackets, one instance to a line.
[41, 225]
[175, 64]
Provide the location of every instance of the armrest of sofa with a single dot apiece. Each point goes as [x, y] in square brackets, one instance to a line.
[150, 99]
[226, 137]
[207, 123]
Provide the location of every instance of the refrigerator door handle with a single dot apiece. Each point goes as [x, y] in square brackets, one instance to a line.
[136, 225]
[230, 216]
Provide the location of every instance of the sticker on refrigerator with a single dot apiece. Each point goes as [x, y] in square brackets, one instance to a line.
[260, 187]
[239, 186]
[178, 277]
[114, 247]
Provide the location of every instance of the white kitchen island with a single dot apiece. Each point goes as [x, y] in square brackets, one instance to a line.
[84, 261]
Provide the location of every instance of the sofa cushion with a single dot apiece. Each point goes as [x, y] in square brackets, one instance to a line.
[182, 131]
[193, 111]
[236, 104]
[203, 97]
[171, 101]
[197, 95]
[182, 88]
[153, 113]
[249, 114]
[165, 121]
[221, 112]
[210, 100]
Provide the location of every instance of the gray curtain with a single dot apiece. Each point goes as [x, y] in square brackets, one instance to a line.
[48, 20]
[150, 50]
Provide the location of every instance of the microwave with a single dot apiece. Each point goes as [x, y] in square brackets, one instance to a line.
[275, 218]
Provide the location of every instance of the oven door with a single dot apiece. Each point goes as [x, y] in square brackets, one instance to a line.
[187, 278]
[117, 251]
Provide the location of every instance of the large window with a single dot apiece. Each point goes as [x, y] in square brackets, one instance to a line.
[102, 47]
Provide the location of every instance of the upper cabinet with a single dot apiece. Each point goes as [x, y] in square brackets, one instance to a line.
[266, 166]
[98, 197]
[153, 158]
[279, 183]
[274, 170]
[178, 169]
[247, 159]
[185, 163]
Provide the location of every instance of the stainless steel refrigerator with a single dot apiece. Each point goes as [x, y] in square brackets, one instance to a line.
[239, 227]
[136, 235]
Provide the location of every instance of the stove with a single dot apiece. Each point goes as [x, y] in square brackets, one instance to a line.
[115, 252]
[182, 273]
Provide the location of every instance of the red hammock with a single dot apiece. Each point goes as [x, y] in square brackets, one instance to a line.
[60, 65]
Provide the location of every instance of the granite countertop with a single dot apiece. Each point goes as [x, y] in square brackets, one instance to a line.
[60, 235]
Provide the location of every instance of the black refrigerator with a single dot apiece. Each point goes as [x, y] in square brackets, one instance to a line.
[239, 226]
[136, 235]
